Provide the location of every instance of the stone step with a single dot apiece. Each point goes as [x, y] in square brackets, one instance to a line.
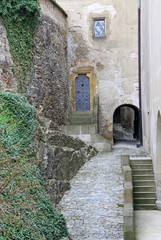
[80, 121]
[83, 117]
[96, 140]
[144, 183]
[80, 116]
[142, 172]
[79, 129]
[82, 113]
[144, 200]
[143, 177]
[144, 206]
[140, 161]
[144, 189]
[141, 166]
[140, 157]
[144, 195]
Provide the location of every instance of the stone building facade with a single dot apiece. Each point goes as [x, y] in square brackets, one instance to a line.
[97, 41]
[151, 84]
[102, 44]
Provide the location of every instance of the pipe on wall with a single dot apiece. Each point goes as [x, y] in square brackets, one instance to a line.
[139, 72]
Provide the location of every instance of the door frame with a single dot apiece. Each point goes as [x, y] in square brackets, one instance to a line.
[89, 71]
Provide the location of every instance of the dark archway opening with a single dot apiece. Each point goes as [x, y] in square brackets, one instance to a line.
[126, 123]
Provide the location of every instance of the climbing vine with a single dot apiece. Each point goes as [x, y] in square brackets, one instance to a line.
[25, 210]
[17, 122]
[20, 19]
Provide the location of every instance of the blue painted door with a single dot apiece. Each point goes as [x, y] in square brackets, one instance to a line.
[82, 93]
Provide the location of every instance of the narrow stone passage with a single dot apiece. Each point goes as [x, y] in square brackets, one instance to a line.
[93, 208]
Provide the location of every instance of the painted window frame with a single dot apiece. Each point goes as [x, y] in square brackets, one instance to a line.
[99, 19]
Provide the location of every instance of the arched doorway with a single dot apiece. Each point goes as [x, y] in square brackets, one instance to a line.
[158, 157]
[126, 123]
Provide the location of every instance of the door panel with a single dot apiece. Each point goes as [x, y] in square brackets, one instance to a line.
[82, 93]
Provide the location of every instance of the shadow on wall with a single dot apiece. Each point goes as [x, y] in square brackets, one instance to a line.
[126, 123]
[158, 159]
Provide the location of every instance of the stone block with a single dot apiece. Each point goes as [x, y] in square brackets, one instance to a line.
[125, 161]
[128, 222]
[158, 205]
[129, 236]
[128, 192]
[127, 174]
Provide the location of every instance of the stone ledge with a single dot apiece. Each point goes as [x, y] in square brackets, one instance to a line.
[128, 198]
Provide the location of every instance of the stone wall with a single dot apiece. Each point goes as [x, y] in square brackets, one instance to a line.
[113, 58]
[49, 86]
[61, 157]
[151, 83]
[7, 81]
[48, 89]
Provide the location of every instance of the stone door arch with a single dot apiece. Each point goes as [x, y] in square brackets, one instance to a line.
[126, 123]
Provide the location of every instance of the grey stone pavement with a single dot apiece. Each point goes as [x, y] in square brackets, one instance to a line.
[148, 225]
[93, 208]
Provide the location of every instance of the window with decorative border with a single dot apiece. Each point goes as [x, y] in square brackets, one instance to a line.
[99, 27]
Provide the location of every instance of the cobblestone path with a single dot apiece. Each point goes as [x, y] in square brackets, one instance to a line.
[93, 208]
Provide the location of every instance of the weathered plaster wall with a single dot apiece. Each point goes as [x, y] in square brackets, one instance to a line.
[48, 89]
[114, 57]
[151, 82]
[7, 81]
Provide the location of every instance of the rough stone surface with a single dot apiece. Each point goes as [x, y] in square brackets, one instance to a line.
[93, 208]
[7, 81]
[62, 156]
[48, 89]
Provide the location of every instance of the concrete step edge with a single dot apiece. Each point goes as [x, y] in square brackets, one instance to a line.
[142, 204]
[144, 192]
[143, 180]
[153, 198]
[137, 157]
[149, 175]
[144, 169]
[140, 164]
[145, 186]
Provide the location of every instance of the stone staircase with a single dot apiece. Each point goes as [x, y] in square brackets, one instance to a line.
[82, 118]
[88, 134]
[144, 189]
[84, 125]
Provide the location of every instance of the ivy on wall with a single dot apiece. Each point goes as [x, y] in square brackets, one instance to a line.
[20, 19]
[26, 211]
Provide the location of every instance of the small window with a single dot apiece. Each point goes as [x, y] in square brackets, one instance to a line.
[99, 27]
